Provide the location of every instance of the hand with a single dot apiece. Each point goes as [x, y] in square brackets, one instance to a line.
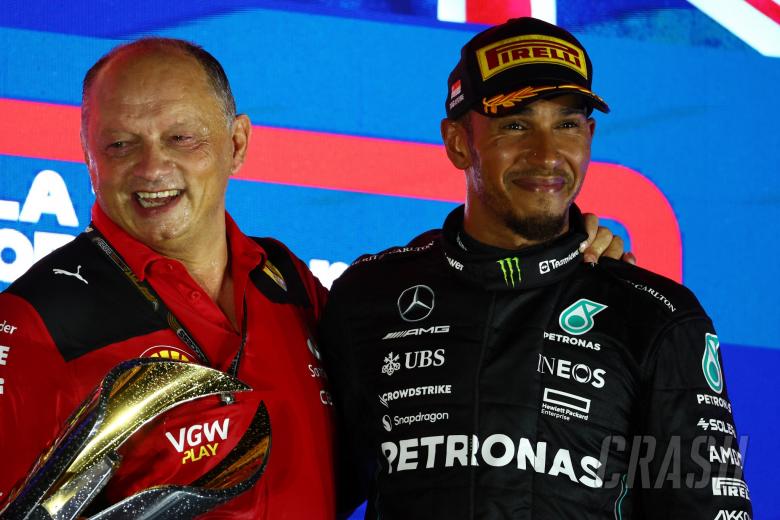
[601, 242]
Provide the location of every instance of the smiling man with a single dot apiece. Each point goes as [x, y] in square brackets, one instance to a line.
[164, 272]
[485, 371]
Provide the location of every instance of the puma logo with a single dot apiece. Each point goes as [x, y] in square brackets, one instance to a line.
[68, 273]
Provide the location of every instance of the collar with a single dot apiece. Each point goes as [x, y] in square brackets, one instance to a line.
[502, 269]
[138, 256]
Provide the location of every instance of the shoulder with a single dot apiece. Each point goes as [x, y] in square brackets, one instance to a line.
[82, 299]
[394, 257]
[672, 298]
[64, 273]
[285, 278]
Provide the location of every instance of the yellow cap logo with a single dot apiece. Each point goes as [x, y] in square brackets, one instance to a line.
[528, 49]
[166, 352]
[509, 100]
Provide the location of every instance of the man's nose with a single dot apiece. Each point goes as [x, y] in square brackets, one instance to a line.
[543, 152]
[155, 162]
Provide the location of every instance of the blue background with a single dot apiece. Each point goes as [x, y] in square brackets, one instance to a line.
[693, 109]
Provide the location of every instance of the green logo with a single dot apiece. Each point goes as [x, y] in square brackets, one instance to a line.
[511, 268]
[577, 318]
[710, 364]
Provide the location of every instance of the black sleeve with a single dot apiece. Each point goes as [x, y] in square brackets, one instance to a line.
[356, 462]
[695, 455]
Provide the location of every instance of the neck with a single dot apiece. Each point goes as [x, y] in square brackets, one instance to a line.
[210, 268]
[490, 229]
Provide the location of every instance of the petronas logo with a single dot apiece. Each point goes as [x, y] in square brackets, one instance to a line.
[710, 364]
[510, 266]
[577, 318]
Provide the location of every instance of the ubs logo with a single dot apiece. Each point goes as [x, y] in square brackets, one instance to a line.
[415, 359]
[416, 303]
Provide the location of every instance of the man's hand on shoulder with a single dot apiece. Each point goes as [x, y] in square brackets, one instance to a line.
[601, 242]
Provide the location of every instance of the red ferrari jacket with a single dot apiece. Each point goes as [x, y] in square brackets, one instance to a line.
[73, 316]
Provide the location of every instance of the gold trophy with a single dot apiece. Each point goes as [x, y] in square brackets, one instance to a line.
[72, 472]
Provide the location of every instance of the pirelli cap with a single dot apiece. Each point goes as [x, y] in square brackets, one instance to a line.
[508, 66]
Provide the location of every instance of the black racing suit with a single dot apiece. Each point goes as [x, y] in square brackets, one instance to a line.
[480, 383]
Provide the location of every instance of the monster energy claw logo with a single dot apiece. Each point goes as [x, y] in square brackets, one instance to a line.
[710, 364]
[577, 318]
[510, 266]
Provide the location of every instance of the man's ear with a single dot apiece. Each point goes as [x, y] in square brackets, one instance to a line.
[455, 137]
[242, 131]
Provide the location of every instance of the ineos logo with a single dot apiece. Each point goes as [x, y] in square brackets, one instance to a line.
[416, 303]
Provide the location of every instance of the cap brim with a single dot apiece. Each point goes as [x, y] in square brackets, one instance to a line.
[512, 102]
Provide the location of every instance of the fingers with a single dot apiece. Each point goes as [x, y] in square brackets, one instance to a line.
[615, 248]
[601, 244]
[591, 225]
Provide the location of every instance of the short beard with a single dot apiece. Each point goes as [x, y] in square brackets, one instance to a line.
[539, 228]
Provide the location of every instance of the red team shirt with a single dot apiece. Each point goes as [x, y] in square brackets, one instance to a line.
[60, 334]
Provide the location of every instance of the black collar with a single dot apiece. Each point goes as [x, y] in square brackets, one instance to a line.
[500, 269]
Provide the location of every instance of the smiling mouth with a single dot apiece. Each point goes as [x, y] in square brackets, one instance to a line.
[540, 184]
[156, 199]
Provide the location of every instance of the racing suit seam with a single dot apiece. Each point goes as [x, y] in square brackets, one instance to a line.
[478, 372]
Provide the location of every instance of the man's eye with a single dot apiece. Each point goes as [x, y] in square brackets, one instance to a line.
[117, 145]
[182, 138]
[514, 125]
[570, 124]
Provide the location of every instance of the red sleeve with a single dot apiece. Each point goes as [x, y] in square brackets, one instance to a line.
[32, 372]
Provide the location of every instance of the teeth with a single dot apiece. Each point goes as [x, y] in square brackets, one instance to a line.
[157, 194]
[150, 199]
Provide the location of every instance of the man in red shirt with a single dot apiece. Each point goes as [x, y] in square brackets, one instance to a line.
[161, 138]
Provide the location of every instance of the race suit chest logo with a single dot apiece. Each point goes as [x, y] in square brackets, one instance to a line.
[565, 369]
[427, 417]
[419, 331]
[546, 266]
[510, 268]
[415, 391]
[710, 364]
[316, 371]
[577, 318]
[564, 405]
[497, 450]
[199, 440]
[416, 303]
[412, 360]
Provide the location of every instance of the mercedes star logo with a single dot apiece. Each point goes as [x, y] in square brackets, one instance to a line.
[416, 303]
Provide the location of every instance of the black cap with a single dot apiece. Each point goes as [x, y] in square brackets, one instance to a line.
[508, 66]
